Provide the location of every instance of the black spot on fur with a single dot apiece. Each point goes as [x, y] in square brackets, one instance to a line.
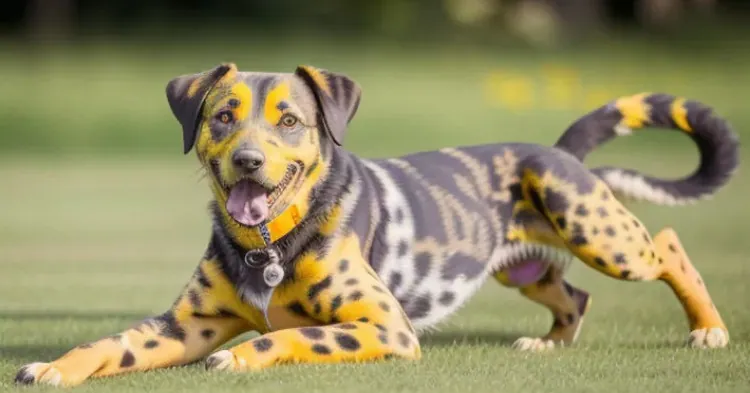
[313, 333]
[399, 216]
[422, 264]
[377, 288]
[208, 333]
[446, 298]
[150, 344]
[672, 247]
[420, 307]
[620, 258]
[321, 349]
[380, 327]
[347, 341]
[343, 265]
[262, 344]
[347, 326]
[85, 346]
[579, 240]
[581, 210]
[354, 296]
[317, 308]
[224, 313]
[364, 319]
[646, 238]
[555, 201]
[297, 309]
[336, 303]
[602, 212]
[351, 281]
[128, 360]
[610, 231]
[625, 274]
[605, 195]
[625, 226]
[195, 298]
[318, 287]
[384, 306]
[403, 339]
[395, 281]
[636, 223]
[403, 248]
[383, 339]
[169, 327]
[202, 278]
[661, 260]
[562, 223]
[599, 261]
[594, 231]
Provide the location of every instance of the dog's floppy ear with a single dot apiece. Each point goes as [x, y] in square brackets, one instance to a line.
[337, 97]
[186, 94]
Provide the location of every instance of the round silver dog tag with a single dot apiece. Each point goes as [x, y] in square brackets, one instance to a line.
[273, 274]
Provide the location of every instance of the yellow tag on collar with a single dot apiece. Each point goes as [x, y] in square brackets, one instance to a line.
[283, 223]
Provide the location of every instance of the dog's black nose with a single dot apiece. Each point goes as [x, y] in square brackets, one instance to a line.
[248, 159]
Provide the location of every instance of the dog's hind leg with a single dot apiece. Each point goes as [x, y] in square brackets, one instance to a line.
[598, 229]
[567, 303]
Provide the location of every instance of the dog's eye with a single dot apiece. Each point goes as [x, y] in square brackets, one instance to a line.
[288, 120]
[225, 117]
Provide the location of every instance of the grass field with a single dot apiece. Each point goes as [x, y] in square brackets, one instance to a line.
[98, 228]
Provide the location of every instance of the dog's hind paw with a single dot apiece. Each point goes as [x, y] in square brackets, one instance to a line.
[708, 338]
[39, 373]
[222, 360]
[533, 344]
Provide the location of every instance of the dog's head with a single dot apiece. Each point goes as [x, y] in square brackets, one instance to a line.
[264, 138]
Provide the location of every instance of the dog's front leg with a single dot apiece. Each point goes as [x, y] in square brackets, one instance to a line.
[360, 320]
[204, 317]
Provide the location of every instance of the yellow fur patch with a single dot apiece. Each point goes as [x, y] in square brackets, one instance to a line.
[634, 109]
[679, 114]
[270, 110]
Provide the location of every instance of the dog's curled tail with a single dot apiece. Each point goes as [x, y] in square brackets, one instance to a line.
[717, 143]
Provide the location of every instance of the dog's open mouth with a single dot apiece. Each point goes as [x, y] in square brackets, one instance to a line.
[249, 202]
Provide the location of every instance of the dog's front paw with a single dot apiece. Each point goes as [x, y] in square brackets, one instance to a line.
[533, 344]
[39, 373]
[222, 360]
[709, 338]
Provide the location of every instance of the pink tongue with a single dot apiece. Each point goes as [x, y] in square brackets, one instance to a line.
[247, 203]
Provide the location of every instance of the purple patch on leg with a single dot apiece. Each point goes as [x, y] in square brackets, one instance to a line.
[527, 272]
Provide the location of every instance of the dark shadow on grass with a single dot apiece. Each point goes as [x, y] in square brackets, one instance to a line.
[80, 315]
[473, 338]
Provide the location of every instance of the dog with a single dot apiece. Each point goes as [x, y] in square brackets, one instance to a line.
[334, 258]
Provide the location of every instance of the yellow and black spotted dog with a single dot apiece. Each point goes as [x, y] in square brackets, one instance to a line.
[334, 258]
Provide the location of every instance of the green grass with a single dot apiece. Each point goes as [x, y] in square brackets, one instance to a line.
[95, 235]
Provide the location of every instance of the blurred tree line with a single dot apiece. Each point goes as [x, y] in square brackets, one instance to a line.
[538, 21]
